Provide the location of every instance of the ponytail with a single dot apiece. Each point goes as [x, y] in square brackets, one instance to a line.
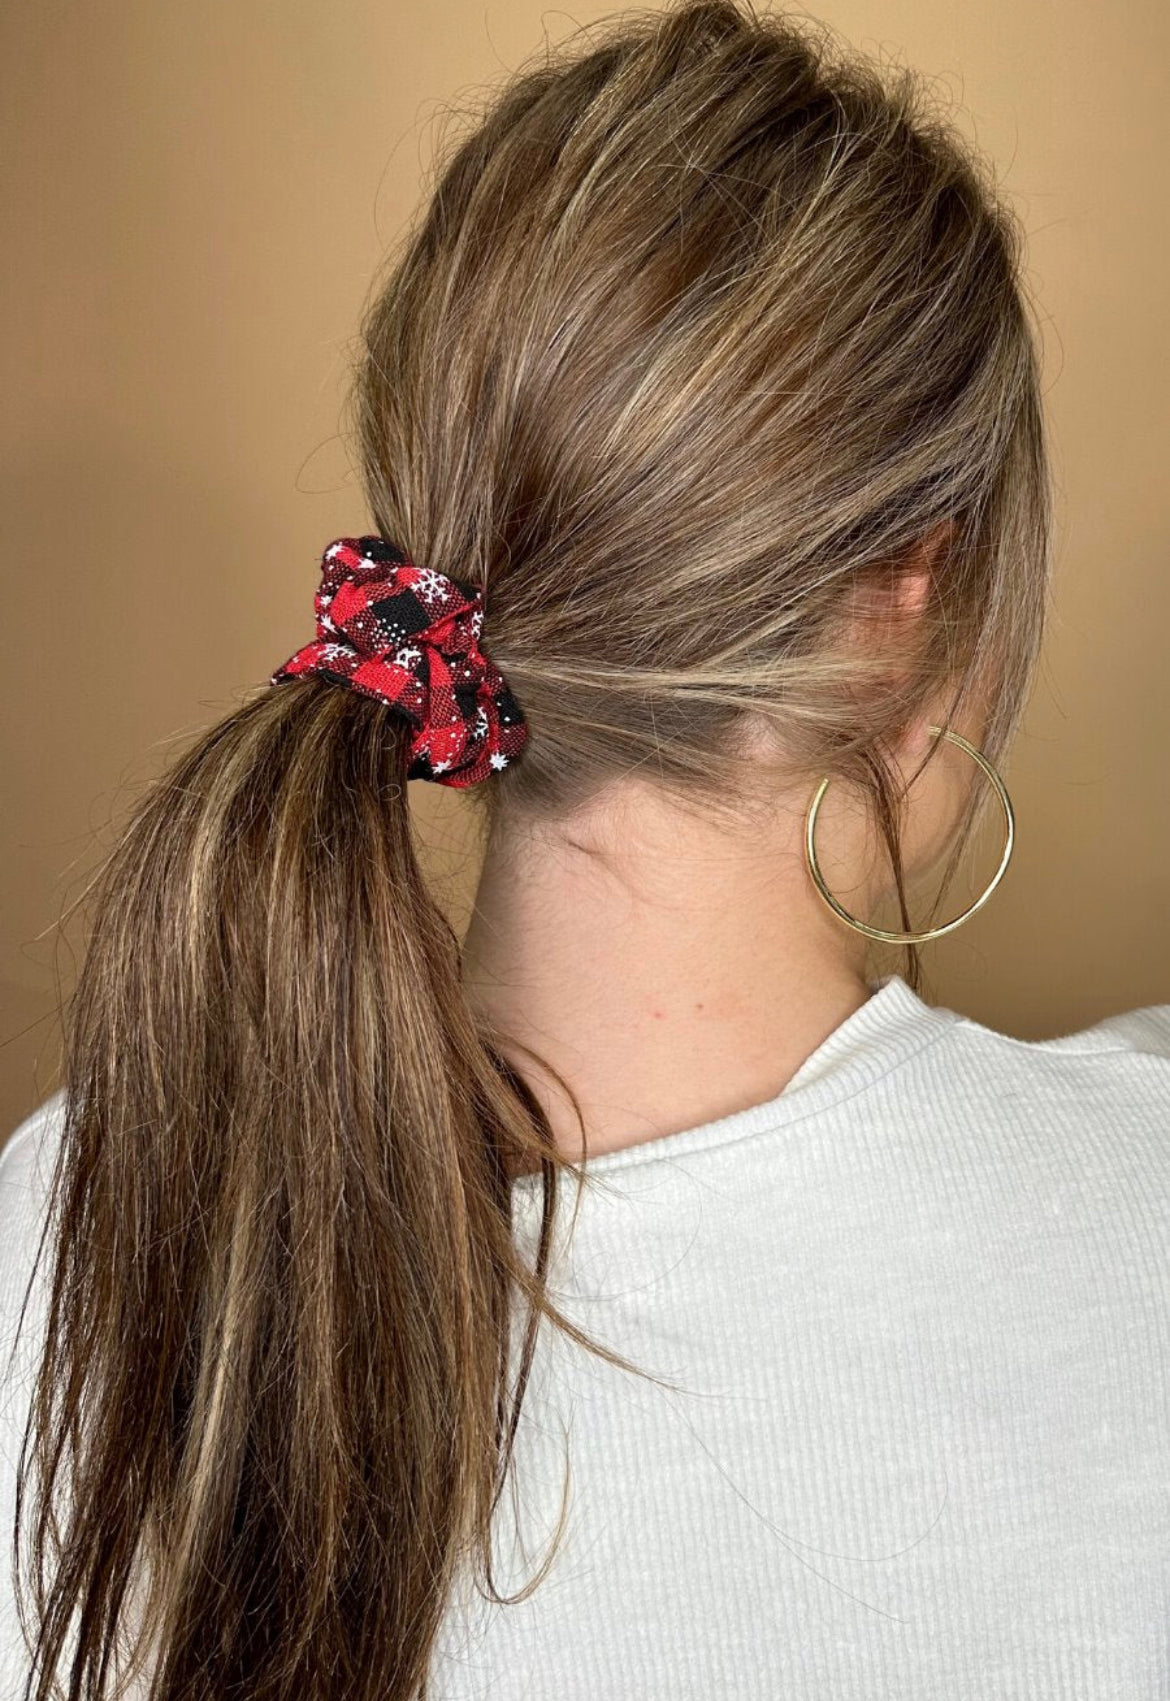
[276, 1359]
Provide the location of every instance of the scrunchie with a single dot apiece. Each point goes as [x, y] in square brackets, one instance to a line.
[409, 636]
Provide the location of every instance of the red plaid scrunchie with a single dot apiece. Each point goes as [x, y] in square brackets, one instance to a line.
[409, 636]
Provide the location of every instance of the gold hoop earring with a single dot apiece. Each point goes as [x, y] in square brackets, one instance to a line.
[886, 934]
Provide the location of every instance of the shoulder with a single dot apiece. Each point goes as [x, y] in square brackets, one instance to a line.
[1138, 1034]
[34, 1140]
[28, 1158]
[27, 1164]
[1119, 1064]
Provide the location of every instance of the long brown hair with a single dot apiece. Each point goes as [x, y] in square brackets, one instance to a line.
[706, 323]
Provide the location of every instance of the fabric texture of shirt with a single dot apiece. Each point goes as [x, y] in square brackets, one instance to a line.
[910, 1437]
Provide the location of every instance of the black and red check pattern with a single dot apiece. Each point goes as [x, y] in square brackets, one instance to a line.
[410, 637]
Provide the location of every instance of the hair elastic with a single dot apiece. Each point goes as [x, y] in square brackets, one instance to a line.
[409, 636]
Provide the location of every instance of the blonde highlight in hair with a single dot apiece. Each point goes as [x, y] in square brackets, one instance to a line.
[706, 325]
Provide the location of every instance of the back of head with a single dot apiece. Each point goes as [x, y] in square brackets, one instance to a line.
[699, 330]
[705, 326]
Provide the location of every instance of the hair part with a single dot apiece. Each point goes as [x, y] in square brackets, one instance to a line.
[706, 324]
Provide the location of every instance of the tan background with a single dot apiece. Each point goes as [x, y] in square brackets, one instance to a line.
[197, 193]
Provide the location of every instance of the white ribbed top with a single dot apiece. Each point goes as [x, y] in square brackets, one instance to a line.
[915, 1312]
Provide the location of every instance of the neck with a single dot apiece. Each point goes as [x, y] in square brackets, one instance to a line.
[673, 971]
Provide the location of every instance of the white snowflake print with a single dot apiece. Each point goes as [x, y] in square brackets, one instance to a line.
[481, 720]
[407, 657]
[498, 759]
[439, 767]
[477, 622]
[334, 652]
[333, 551]
[430, 584]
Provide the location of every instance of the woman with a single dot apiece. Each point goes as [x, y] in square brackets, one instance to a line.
[700, 423]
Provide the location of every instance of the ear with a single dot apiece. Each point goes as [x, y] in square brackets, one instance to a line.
[887, 604]
[912, 587]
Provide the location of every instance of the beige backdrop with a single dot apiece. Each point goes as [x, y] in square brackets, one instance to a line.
[197, 194]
